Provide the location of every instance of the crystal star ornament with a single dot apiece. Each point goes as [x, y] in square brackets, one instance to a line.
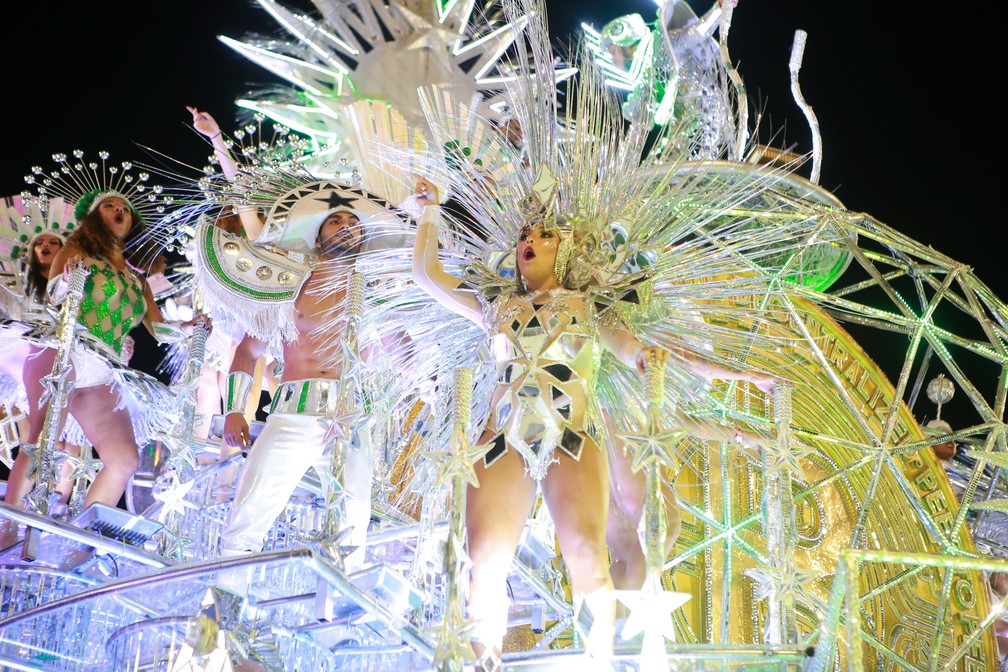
[772, 583]
[651, 610]
[779, 458]
[453, 636]
[653, 446]
[182, 454]
[171, 491]
[346, 420]
[84, 467]
[173, 543]
[456, 463]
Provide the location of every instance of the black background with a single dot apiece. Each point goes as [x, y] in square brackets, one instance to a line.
[905, 97]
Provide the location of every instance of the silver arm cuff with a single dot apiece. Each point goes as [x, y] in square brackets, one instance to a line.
[169, 332]
[57, 289]
[239, 387]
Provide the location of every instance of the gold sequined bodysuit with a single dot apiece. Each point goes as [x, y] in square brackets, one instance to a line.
[112, 305]
[540, 403]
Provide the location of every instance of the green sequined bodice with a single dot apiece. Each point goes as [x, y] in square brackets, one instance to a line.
[112, 305]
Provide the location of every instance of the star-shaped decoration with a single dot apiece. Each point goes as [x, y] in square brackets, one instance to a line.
[772, 583]
[335, 199]
[346, 421]
[34, 452]
[651, 610]
[653, 447]
[51, 384]
[181, 454]
[83, 467]
[171, 491]
[37, 501]
[456, 463]
[778, 458]
[430, 36]
[452, 635]
[173, 543]
[462, 561]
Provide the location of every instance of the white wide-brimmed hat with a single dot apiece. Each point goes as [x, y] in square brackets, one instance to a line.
[294, 220]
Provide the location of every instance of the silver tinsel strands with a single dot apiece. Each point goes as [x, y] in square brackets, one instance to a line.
[58, 386]
[345, 423]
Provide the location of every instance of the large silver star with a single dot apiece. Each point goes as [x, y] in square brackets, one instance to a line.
[654, 447]
[777, 585]
[456, 463]
[651, 610]
[84, 467]
[171, 491]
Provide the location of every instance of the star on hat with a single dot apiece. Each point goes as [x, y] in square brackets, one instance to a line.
[293, 222]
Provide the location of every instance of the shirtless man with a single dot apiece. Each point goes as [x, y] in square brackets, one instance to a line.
[294, 435]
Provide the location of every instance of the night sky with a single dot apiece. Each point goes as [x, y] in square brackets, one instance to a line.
[905, 101]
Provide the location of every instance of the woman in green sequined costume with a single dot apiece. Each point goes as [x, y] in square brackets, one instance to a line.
[115, 300]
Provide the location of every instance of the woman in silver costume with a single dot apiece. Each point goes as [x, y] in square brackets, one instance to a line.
[539, 435]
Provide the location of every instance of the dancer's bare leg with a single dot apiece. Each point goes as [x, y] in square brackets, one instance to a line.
[496, 514]
[626, 509]
[111, 434]
[208, 401]
[576, 492]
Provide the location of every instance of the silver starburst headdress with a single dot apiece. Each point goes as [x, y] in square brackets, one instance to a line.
[22, 219]
[86, 183]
